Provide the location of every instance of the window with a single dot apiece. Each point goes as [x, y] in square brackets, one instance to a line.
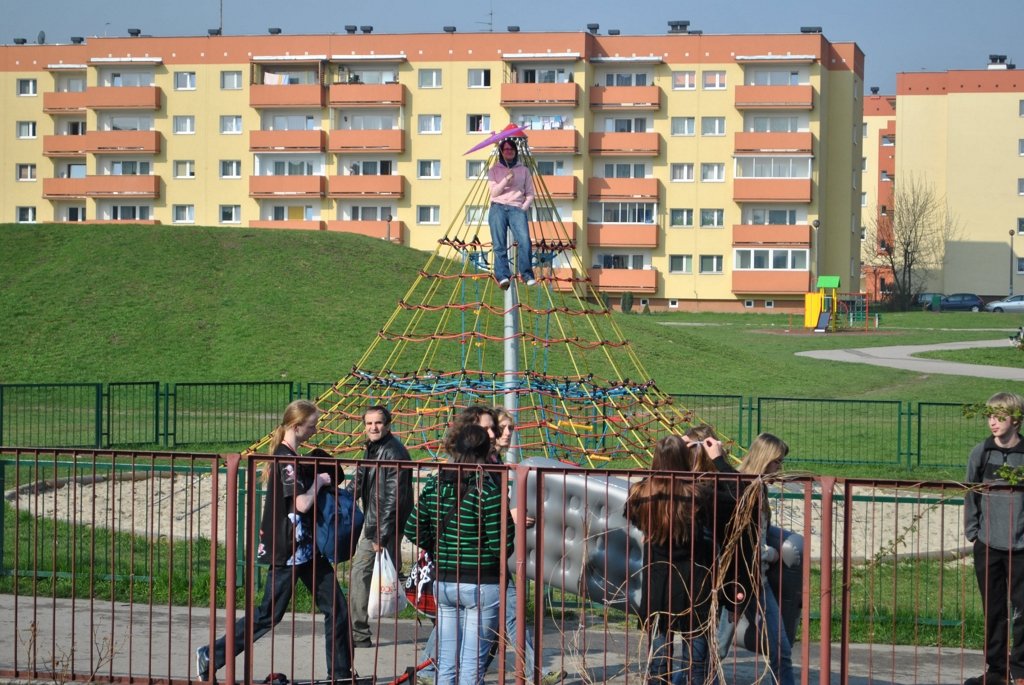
[714, 80]
[127, 79]
[783, 259]
[428, 168]
[130, 212]
[627, 79]
[773, 77]
[428, 214]
[478, 123]
[429, 123]
[26, 129]
[231, 124]
[26, 87]
[367, 121]
[130, 122]
[888, 141]
[681, 218]
[621, 212]
[680, 264]
[619, 261]
[25, 172]
[291, 122]
[75, 214]
[712, 172]
[769, 216]
[479, 78]
[184, 214]
[748, 304]
[25, 215]
[184, 80]
[884, 176]
[681, 172]
[863, 199]
[184, 124]
[1020, 108]
[773, 167]
[684, 80]
[774, 123]
[683, 126]
[297, 167]
[1020, 226]
[711, 263]
[184, 168]
[673, 304]
[129, 168]
[475, 168]
[552, 167]
[712, 126]
[630, 125]
[1020, 265]
[1020, 186]
[863, 164]
[864, 129]
[430, 78]
[231, 80]
[712, 218]
[371, 212]
[544, 75]
[230, 168]
[369, 167]
[625, 170]
[230, 214]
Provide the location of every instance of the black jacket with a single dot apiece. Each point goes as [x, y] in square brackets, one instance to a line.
[385, 493]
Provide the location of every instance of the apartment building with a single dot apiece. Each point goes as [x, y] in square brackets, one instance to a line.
[695, 171]
[961, 132]
[878, 168]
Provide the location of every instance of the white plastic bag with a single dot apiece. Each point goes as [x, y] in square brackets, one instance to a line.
[387, 597]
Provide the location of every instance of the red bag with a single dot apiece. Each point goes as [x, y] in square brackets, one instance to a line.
[419, 586]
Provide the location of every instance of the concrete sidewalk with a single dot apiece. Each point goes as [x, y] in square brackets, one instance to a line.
[108, 641]
[901, 357]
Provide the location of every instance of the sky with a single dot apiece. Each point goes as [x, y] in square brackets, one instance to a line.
[895, 35]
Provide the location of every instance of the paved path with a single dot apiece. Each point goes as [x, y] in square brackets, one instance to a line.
[901, 357]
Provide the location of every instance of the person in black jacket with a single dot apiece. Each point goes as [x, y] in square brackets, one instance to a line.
[385, 494]
[287, 543]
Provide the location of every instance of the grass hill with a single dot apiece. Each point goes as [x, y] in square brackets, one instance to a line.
[175, 303]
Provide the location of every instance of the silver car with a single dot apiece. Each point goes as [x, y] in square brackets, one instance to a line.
[1013, 303]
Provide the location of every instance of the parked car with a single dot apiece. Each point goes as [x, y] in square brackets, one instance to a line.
[1013, 303]
[962, 302]
[925, 299]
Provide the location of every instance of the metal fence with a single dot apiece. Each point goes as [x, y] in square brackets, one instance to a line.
[115, 565]
[172, 415]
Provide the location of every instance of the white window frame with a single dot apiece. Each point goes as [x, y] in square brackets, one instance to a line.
[29, 174]
[27, 88]
[717, 266]
[712, 172]
[685, 213]
[714, 79]
[231, 124]
[230, 79]
[686, 266]
[26, 130]
[25, 214]
[684, 126]
[476, 168]
[237, 163]
[478, 78]
[432, 167]
[184, 168]
[681, 172]
[684, 80]
[429, 124]
[183, 214]
[673, 304]
[428, 215]
[234, 212]
[747, 258]
[184, 124]
[430, 78]
[483, 126]
[717, 217]
[184, 80]
[712, 126]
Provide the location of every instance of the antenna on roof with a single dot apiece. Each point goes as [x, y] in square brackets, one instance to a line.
[41, 37]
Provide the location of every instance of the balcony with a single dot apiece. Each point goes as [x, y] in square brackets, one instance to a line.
[646, 98]
[622, 235]
[367, 95]
[286, 186]
[374, 229]
[366, 186]
[559, 187]
[539, 95]
[60, 188]
[552, 232]
[623, 189]
[57, 103]
[643, 281]
[748, 141]
[622, 144]
[290, 224]
[563, 141]
[64, 146]
[123, 97]
[770, 282]
[771, 190]
[291, 141]
[390, 140]
[748, 234]
[123, 186]
[295, 95]
[775, 97]
[116, 142]
[561, 279]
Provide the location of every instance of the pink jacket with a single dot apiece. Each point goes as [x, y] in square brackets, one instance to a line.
[516, 191]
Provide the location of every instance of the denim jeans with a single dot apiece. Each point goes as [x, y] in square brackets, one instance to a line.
[467, 625]
[687, 665]
[779, 650]
[529, 656]
[501, 218]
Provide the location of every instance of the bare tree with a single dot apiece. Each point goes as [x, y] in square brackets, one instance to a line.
[907, 240]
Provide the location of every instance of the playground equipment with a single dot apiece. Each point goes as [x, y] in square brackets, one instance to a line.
[828, 309]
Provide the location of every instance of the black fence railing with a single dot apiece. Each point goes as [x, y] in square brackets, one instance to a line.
[171, 415]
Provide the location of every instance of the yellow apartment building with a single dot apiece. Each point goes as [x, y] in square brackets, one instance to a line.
[717, 172]
[878, 167]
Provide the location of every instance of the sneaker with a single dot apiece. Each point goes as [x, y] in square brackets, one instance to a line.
[553, 677]
[365, 642]
[203, 663]
[504, 284]
[531, 281]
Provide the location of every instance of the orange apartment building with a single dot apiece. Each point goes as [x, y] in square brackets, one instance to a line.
[695, 171]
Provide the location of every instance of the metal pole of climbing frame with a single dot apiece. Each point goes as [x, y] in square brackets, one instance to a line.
[511, 330]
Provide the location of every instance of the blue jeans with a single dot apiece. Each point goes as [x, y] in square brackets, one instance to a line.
[778, 650]
[467, 625]
[687, 665]
[503, 217]
[529, 657]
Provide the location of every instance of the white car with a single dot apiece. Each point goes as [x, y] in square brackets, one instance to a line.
[1013, 303]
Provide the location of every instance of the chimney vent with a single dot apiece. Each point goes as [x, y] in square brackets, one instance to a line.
[274, 31]
[678, 26]
[449, 29]
[213, 32]
[134, 33]
[351, 28]
[613, 32]
[77, 40]
[20, 41]
[366, 29]
[874, 90]
[810, 29]
[593, 28]
[513, 29]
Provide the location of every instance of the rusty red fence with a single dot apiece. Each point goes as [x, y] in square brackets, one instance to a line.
[117, 565]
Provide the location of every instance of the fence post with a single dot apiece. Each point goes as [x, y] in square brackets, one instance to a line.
[98, 421]
[1, 413]
[825, 601]
[167, 414]
[3, 523]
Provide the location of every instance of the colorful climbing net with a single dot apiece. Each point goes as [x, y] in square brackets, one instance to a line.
[581, 392]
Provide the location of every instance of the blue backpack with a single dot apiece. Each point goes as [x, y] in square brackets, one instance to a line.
[339, 522]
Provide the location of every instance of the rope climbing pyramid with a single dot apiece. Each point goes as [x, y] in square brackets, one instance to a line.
[550, 353]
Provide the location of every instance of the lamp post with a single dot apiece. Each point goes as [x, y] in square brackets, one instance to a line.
[388, 220]
[1012, 260]
[817, 248]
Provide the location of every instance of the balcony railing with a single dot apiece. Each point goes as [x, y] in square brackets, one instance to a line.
[390, 140]
[539, 94]
[384, 230]
[771, 234]
[296, 95]
[561, 141]
[770, 282]
[622, 189]
[552, 232]
[289, 224]
[292, 141]
[560, 187]
[646, 98]
[116, 142]
[622, 235]
[774, 97]
[123, 97]
[64, 146]
[122, 186]
[643, 281]
[621, 144]
[772, 190]
[290, 186]
[65, 102]
[749, 141]
[367, 95]
[366, 186]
